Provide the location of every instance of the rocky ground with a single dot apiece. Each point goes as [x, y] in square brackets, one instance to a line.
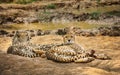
[17, 65]
[110, 30]
[56, 11]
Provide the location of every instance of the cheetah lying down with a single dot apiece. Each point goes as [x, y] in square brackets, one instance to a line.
[21, 45]
[72, 52]
[68, 51]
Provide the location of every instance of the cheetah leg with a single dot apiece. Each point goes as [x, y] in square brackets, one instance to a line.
[22, 51]
[40, 52]
[84, 60]
[102, 56]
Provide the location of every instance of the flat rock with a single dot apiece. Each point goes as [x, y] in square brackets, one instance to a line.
[17, 65]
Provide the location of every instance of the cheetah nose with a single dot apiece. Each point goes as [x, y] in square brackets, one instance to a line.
[68, 40]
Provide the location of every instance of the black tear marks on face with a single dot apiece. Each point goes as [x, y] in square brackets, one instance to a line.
[22, 34]
[69, 38]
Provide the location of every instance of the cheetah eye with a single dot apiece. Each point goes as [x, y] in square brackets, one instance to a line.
[26, 34]
[71, 36]
[18, 36]
[66, 37]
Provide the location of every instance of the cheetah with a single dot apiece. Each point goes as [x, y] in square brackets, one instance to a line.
[72, 52]
[21, 45]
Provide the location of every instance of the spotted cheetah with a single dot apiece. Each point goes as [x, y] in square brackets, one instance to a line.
[72, 52]
[21, 45]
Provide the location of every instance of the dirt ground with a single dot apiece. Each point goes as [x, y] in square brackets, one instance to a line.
[18, 65]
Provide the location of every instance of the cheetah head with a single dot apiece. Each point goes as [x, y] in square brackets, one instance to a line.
[69, 38]
[22, 36]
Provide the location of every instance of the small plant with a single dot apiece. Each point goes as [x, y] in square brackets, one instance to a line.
[51, 6]
[95, 15]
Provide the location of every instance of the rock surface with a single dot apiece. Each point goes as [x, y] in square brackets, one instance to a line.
[16, 65]
[113, 30]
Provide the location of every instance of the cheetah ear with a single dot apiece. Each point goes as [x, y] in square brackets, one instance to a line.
[16, 32]
[63, 35]
[13, 32]
[28, 33]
